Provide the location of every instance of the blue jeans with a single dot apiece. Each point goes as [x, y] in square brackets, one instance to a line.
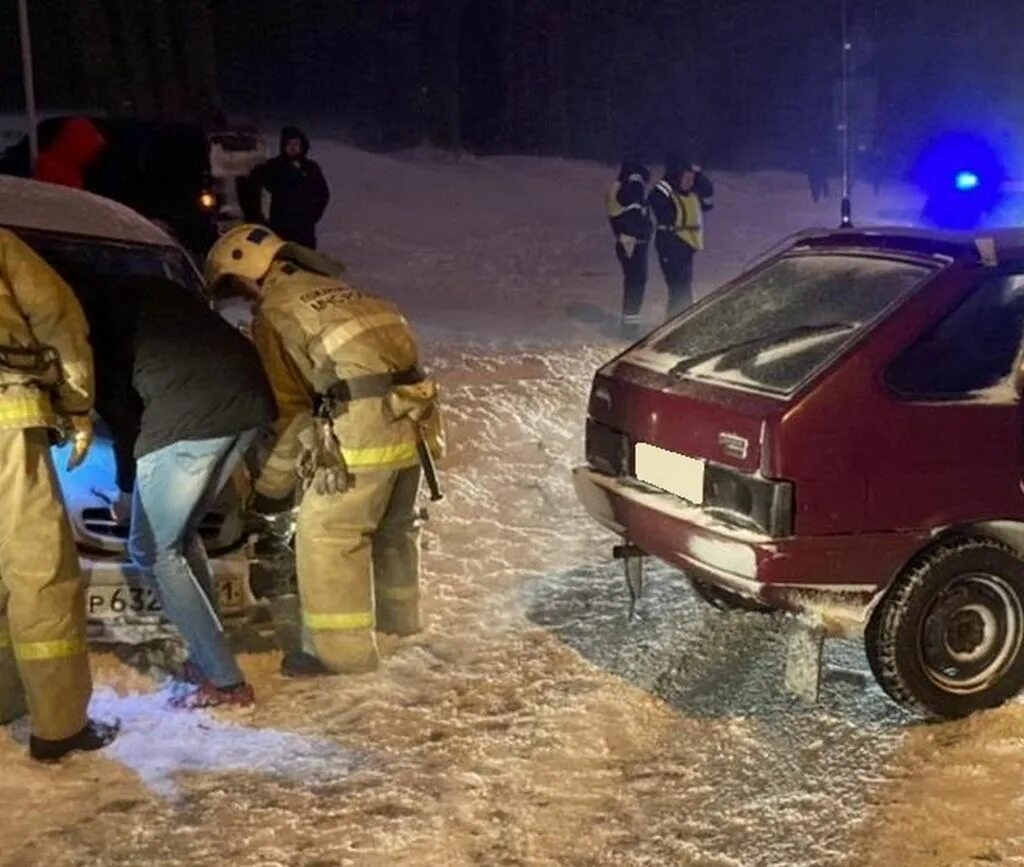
[174, 487]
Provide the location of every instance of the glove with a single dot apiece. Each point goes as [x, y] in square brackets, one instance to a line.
[81, 435]
[328, 481]
[323, 468]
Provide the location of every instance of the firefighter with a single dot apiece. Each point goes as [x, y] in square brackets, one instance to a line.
[630, 220]
[45, 385]
[355, 415]
[678, 202]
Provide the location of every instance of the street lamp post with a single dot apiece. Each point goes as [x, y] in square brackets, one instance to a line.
[26, 71]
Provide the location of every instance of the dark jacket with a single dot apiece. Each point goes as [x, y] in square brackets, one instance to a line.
[298, 193]
[168, 368]
[628, 213]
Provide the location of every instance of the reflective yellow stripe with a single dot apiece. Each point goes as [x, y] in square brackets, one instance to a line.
[339, 622]
[399, 594]
[32, 650]
[379, 455]
[24, 409]
[341, 335]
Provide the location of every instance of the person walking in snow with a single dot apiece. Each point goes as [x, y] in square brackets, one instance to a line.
[298, 191]
[630, 219]
[678, 203]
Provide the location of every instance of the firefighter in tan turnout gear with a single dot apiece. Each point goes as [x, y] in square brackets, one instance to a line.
[46, 382]
[356, 416]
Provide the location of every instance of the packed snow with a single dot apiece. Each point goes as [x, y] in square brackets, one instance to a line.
[531, 723]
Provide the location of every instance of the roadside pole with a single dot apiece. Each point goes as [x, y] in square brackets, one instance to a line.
[27, 77]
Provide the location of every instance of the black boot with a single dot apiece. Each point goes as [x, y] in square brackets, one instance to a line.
[301, 664]
[95, 736]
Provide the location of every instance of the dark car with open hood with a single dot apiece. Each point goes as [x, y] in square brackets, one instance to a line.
[839, 433]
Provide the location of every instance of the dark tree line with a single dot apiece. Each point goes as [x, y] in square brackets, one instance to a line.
[743, 83]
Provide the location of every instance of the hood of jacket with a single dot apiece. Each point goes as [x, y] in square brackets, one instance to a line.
[292, 132]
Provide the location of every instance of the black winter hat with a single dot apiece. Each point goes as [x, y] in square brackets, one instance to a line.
[634, 167]
[675, 165]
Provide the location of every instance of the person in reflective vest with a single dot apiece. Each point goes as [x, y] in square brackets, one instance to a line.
[630, 221]
[46, 386]
[678, 202]
[354, 411]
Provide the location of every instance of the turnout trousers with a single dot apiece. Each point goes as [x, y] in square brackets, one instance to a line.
[44, 665]
[358, 562]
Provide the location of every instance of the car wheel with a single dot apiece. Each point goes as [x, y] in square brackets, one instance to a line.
[726, 600]
[946, 639]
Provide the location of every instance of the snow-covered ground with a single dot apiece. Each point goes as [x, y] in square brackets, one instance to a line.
[531, 723]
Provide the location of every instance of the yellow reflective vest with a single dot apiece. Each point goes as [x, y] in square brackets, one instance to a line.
[313, 332]
[689, 221]
[38, 310]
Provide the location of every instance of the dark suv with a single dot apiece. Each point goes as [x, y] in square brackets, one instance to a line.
[160, 169]
[839, 432]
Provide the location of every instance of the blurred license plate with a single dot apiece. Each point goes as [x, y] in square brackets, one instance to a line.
[675, 473]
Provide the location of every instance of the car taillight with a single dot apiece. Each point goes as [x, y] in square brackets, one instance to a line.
[608, 450]
[761, 504]
[207, 200]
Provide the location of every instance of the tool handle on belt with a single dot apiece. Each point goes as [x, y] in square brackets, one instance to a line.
[429, 470]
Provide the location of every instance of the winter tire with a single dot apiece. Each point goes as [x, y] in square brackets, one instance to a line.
[946, 639]
[726, 600]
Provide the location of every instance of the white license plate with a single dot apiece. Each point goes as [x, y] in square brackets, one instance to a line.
[121, 600]
[675, 473]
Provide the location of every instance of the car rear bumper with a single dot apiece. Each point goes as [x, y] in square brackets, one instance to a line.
[795, 573]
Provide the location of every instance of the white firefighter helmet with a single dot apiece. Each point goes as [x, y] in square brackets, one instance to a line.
[245, 251]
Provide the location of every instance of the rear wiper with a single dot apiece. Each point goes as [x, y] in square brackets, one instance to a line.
[762, 340]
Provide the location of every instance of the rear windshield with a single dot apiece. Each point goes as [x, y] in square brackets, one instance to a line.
[772, 330]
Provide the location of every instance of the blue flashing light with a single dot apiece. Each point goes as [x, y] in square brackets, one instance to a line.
[962, 176]
[966, 181]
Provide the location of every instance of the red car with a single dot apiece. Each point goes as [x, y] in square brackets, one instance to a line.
[839, 433]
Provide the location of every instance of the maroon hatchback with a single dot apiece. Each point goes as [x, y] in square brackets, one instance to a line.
[839, 433]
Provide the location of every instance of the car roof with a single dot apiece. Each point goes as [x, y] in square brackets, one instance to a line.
[26, 204]
[1008, 243]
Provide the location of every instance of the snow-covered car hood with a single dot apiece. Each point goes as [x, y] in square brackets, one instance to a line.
[34, 205]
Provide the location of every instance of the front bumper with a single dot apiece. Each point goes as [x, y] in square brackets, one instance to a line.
[831, 577]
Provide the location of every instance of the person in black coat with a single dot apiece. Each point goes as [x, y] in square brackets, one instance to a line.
[298, 191]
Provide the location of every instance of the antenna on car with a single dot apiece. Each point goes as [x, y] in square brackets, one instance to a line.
[845, 219]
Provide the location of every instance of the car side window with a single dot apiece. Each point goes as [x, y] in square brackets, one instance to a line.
[971, 351]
